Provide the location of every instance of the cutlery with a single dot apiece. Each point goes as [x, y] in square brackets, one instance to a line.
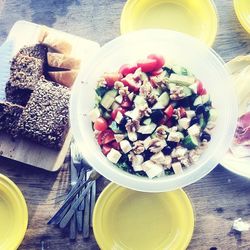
[58, 215]
[64, 221]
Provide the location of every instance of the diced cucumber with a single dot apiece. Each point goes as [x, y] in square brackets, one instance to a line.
[101, 91]
[162, 101]
[118, 99]
[147, 121]
[213, 115]
[115, 105]
[147, 129]
[140, 101]
[202, 122]
[190, 142]
[97, 100]
[157, 91]
[202, 99]
[108, 98]
[193, 87]
[181, 79]
[187, 91]
[106, 115]
[114, 127]
[113, 93]
[179, 70]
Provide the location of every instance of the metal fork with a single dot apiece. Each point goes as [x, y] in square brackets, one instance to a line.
[82, 219]
[75, 168]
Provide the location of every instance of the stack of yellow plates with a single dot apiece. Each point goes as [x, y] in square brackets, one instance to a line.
[13, 215]
[126, 219]
[242, 9]
[194, 17]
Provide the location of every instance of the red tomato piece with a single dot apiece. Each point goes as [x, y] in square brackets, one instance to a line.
[126, 103]
[130, 83]
[115, 111]
[204, 92]
[100, 124]
[106, 149]
[169, 111]
[147, 65]
[105, 137]
[127, 69]
[159, 59]
[111, 78]
[199, 88]
[182, 112]
[157, 72]
[115, 145]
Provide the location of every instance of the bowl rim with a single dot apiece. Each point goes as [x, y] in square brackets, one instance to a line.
[15, 192]
[112, 188]
[210, 38]
[131, 181]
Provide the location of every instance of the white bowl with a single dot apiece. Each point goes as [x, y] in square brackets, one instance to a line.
[177, 48]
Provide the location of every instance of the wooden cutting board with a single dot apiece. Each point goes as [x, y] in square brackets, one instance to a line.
[33, 154]
[22, 150]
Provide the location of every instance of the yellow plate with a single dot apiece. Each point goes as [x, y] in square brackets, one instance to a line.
[194, 17]
[13, 215]
[242, 9]
[126, 219]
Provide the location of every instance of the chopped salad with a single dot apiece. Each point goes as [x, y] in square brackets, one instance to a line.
[152, 120]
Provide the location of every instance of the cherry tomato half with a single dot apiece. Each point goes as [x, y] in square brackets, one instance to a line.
[111, 78]
[147, 65]
[115, 145]
[199, 88]
[100, 124]
[106, 149]
[169, 111]
[157, 72]
[105, 137]
[182, 112]
[159, 59]
[127, 69]
[115, 111]
[130, 83]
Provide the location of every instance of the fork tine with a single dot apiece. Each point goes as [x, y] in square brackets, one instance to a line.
[86, 216]
[92, 202]
[72, 228]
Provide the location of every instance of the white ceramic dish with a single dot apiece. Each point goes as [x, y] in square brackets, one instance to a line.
[238, 67]
[180, 49]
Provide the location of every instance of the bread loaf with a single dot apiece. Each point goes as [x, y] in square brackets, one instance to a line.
[65, 78]
[58, 43]
[58, 60]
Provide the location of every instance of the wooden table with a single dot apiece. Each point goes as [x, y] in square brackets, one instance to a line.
[218, 199]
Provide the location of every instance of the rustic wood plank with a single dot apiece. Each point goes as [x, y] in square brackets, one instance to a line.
[218, 199]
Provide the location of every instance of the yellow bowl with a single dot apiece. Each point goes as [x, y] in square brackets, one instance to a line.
[13, 215]
[196, 18]
[127, 219]
[242, 9]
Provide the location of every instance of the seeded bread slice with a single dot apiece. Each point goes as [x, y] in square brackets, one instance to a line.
[39, 51]
[25, 74]
[45, 119]
[9, 116]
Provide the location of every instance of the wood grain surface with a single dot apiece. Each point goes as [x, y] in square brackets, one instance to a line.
[218, 198]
